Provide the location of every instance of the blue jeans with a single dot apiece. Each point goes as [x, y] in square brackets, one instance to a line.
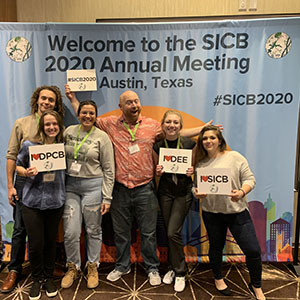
[140, 202]
[83, 203]
[243, 231]
[18, 240]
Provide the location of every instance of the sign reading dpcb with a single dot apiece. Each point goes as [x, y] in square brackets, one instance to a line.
[214, 180]
[175, 160]
[47, 157]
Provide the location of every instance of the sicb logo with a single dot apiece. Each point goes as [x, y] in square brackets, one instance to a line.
[47, 155]
[214, 178]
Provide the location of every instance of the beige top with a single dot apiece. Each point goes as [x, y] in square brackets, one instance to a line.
[24, 129]
[240, 174]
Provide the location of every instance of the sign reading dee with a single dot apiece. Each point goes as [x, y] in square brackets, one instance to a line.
[175, 160]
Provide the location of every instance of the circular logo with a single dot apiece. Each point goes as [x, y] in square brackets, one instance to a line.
[18, 49]
[82, 86]
[174, 168]
[213, 188]
[278, 45]
[48, 165]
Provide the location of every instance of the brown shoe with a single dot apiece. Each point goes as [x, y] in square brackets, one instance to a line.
[92, 276]
[10, 282]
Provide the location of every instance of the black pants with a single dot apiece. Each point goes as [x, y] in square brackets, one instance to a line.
[41, 227]
[242, 229]
[18, 240]
[175, 204]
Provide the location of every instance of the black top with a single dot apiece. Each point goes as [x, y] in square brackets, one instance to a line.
[183, 181]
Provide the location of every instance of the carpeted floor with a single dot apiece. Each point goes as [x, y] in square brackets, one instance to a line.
[279, 282]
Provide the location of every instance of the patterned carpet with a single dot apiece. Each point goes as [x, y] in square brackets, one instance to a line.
[279, 282]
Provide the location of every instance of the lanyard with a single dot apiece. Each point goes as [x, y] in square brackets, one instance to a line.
[129, 130]
[76, 148]
[37, 119]
[178, 143]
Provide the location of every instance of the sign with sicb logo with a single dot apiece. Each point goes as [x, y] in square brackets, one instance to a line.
[47, 157]
[214, 180]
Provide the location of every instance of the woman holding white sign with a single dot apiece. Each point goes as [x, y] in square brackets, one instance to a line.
[175, 197]
[223, 212]
[89, 185]
[43, 204]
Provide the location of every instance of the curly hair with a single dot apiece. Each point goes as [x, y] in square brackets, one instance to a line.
[59, 107]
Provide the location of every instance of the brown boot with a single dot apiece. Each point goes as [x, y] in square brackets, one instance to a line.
[92, 276]
[10, 282]
[71, 275]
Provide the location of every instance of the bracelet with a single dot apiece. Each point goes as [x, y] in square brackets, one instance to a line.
[244, 194]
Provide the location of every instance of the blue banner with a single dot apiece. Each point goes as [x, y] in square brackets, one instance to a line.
[242, 74]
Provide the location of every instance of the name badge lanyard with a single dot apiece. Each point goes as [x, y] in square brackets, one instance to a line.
[174, 177]
[37, 119]
[129, 130]
[76, 148]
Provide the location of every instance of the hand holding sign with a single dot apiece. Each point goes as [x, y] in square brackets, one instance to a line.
[32, 171]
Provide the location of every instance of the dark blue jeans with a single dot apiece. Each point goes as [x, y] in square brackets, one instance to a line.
[139, 202]
[18, 240]
[242, 229]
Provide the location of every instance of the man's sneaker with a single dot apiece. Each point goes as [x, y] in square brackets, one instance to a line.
[50, 287]
[115, 274]
[154, 278]
[169, 277]
[71, 275]
[35, 291]
[179, 284]
[92, 275]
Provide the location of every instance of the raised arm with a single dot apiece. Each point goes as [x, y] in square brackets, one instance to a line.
[190, 132]
[72, 97]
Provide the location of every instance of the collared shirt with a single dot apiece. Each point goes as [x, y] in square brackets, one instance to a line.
[37, 193]
[135, 169]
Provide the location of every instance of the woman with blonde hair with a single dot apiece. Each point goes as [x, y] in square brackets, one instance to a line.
[175, 197]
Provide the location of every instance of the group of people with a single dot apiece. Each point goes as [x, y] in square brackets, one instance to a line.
[111, 164]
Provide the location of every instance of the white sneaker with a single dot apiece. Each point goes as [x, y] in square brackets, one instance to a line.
[179, 284]
[154, 278]
[114, 275]
[169, 277]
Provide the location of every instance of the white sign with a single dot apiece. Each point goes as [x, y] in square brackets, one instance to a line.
[82, 80]
[47, 157]
[175, 160]
[214, 181]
